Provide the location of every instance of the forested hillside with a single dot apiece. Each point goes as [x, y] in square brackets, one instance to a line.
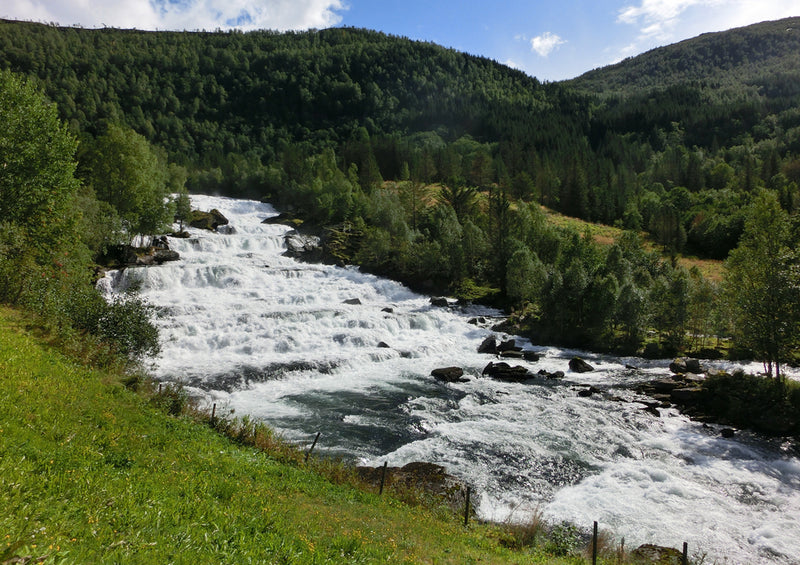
[433, 164]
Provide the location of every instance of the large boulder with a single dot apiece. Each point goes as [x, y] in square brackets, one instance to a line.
[504, 371]
[488, 345]
[448, 374]
[683, 365]
[578, 365]
[207, 220]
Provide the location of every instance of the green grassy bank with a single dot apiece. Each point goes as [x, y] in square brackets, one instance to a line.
[91, 472]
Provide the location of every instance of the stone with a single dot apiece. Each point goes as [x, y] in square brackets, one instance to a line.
[352, 301]
[504, 371]
[687, 395]
[383, 345]
[488, 345]
[207, 220]
[727, 432]
[656, 555]
[530, 356]
[440, 302]
[448, 374]
[578, 365]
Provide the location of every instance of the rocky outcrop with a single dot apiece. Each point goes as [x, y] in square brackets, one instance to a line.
[207, 220]
[505, 372]
[440, 302]
[542, 374]
[578, 365]
[448, 374]
[158, 252]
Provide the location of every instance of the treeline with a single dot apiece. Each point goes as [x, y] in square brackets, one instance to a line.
[432, 164]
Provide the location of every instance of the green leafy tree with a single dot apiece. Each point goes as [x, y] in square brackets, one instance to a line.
[762, 285]
[132, 176]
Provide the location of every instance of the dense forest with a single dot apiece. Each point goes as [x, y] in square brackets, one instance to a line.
[433, 166]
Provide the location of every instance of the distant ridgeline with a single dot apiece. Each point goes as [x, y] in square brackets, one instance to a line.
[720, 111]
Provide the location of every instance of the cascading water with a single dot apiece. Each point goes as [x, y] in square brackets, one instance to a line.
[283, 341]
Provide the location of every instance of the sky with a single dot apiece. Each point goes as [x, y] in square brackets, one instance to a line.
[550, 39]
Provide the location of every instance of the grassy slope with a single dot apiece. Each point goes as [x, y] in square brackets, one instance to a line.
[91, 472]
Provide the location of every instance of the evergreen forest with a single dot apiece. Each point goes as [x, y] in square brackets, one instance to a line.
[431, 166]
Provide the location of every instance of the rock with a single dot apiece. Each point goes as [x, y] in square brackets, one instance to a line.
[727, 432]
[488, 345]
[302, 246]
[656, 555]
[226, 230]
[664, 385]
[512, 354]
[352, 301]
[388, 310]
[687, 395]
[383, 345]
[578, 365]
[587, 392]
[180, 234]
[439, 301]
[479, 321]
[207, 220]
[693, 366]
[556, 375]
[504, 371]
[448, 374]
[508, 345]
[530, 356]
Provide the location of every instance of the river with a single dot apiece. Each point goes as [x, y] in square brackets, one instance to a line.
[263, 335]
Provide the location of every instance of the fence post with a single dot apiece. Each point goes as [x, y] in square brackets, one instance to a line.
[594, 545]
[466, 508]
[383, 477]
[308, 453]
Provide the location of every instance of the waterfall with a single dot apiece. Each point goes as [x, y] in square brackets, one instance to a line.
[286, 342]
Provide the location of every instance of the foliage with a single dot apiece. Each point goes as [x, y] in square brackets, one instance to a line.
[762, 285]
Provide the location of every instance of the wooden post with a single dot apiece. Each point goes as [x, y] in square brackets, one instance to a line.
[594, 545]
[213, 413]
[685, 553]
[308, 454]
[383, 477]
[466, 508]
[159, 388]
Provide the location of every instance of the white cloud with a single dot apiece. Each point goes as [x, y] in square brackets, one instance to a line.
[180, 14]
[668, 20]
[545, 43]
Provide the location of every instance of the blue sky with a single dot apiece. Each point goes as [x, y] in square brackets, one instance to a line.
[549, 39]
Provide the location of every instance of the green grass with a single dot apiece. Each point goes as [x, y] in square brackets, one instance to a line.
[91, 472]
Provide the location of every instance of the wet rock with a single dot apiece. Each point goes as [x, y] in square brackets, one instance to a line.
[303, 246]
[383, 345]
[352, 301]
[530, 356]
[479, 321]
[684, 365]
[448, 374]
[388, 310]
[504, 371]
[587, 392]
[727, 432]
[664, 385]
[207, 220]
[488, 345]
[508, 345]
[440, 302]
[578, 365]
[546, 375]
[649, 554]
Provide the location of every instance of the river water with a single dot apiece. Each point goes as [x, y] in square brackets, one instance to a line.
[262, 335]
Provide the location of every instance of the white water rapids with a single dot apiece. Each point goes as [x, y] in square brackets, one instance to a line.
[272, 338]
